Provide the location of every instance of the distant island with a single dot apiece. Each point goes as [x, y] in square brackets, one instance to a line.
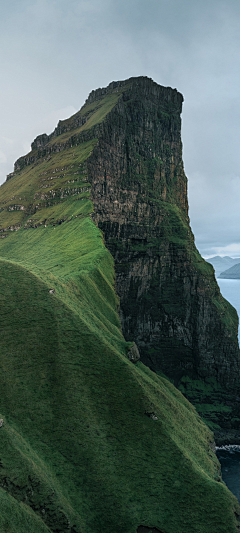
[231, 273]
[225, 267]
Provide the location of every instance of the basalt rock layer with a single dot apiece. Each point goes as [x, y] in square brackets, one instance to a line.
[170, 302]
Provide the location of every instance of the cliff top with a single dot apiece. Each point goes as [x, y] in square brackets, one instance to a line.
[142, 83]
[99, 103]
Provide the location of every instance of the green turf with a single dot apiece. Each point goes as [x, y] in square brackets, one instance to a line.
[94, 112]
[76, 442]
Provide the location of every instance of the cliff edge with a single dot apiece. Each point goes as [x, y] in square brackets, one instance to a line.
[170, 302]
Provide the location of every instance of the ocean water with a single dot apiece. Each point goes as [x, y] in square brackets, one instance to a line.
[230, 289]
[229, 456]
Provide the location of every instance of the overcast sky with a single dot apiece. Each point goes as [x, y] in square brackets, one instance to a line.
[53, 53]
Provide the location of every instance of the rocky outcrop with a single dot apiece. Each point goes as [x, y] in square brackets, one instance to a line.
[133, 353]
[45, 151]
[170, 302]
[40, 141]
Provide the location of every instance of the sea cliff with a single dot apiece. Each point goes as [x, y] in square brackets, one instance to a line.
[170, 302]
[93, 227]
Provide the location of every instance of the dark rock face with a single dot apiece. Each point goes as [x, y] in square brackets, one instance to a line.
[170, 303]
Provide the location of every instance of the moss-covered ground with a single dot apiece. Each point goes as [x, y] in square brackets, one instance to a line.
[76, 446]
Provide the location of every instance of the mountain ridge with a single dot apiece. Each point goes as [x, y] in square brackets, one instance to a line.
[91, 441]
[130, 165]
[231, 273]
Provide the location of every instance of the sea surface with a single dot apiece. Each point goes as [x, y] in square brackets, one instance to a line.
[230, 289]
[229, 456]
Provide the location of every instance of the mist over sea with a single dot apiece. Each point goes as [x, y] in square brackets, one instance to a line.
[230, 289]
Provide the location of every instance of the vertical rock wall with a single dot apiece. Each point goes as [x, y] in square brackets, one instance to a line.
[170, 301]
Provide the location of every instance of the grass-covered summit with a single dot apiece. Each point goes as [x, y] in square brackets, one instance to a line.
[90, 442]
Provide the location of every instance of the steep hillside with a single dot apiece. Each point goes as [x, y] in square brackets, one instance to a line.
[91, 442]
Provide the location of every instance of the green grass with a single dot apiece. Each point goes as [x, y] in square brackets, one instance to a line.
[76, 441]
[49, 182]
[95, 113]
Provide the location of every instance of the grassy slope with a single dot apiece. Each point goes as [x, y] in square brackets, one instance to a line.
[76, 447]
[94, 112]
[76, 440]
